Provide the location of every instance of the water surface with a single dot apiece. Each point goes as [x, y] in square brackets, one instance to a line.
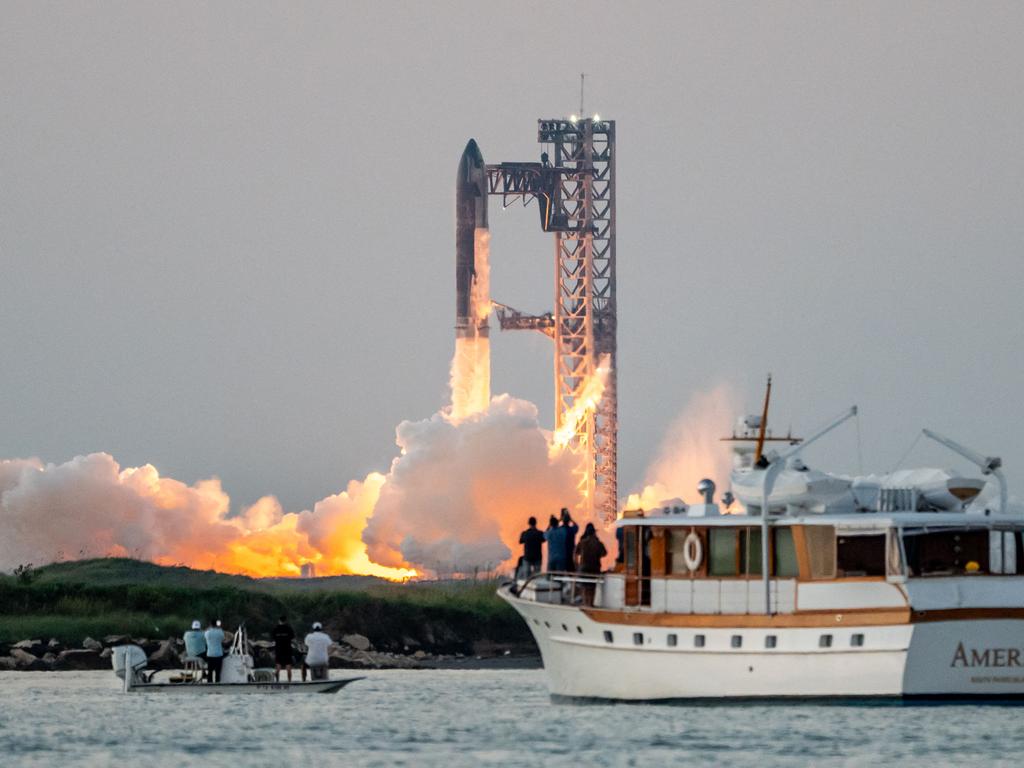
[474, 718]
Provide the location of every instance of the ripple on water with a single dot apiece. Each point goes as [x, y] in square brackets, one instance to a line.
[469, 718]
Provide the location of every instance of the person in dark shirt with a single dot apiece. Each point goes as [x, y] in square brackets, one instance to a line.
[570, 538]
[589, 552]
[283, 635]
[533, 548]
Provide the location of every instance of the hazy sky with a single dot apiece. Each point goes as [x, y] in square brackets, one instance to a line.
[226, 229]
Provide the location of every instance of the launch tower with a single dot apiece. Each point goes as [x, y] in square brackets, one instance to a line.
[574, 185]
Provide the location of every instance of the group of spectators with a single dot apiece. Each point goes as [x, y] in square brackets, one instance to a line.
[565, 555]
[208, 647]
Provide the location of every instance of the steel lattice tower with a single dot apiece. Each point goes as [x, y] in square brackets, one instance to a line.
[585, 307]
[574, 187]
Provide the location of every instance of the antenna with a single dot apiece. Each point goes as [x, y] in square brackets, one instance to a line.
[583, 76]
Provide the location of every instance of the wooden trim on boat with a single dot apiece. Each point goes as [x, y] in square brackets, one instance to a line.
[854, 617]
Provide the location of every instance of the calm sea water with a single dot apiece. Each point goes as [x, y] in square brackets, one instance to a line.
[474, 718]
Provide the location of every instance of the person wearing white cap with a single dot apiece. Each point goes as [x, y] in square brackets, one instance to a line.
[318, 643]
[195, 646]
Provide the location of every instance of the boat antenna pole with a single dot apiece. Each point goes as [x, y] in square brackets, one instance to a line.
[776, 462]
[759, 451]
[989, 465]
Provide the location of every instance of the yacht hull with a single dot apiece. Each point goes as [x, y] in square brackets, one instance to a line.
[831, 655]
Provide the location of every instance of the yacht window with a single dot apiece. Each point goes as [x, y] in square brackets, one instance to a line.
[857, 640]
[698, 641]
[722, 543]
[785, 553]
[737, 641]
[672, 640]
[750, 552]
[771, 641]
[947, 553]
[638, 638]
[825, 641]
[629, 546]
[821, 550]
[608, 636]
[860, 555]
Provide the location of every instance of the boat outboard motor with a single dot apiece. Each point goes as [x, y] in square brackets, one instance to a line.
[128, 661]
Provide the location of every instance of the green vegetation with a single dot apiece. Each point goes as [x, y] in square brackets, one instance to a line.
[70, 601]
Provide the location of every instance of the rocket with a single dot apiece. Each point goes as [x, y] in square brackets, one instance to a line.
[472, 299]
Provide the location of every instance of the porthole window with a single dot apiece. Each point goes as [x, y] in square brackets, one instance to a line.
[698, 641]
[608, 637]
[737, 641]
[565, 628]
[579, 629]
[673, 641]
[771, 641]
[547, 624]
[825, 641]
[638, 638]
[857, 640]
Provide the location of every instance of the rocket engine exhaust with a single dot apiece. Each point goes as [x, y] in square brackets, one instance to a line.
[471, 367]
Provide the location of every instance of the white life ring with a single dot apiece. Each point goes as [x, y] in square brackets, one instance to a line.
[693, 551]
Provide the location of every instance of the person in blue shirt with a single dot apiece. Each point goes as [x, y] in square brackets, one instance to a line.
[214, 650]
[555, 536]
[195, 643]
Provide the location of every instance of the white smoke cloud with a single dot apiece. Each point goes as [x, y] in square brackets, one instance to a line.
[459, 494]
[691, 450]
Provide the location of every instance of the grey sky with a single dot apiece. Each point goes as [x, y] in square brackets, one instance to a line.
[226, 229]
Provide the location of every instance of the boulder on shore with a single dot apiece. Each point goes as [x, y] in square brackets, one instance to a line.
[92, 645]
[26, 661]
[8, 663]
[166, 656]
[35, 647]
[80, 658]
[359, 642]
[112, 640]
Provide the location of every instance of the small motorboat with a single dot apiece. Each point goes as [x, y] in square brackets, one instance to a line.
[238, 675]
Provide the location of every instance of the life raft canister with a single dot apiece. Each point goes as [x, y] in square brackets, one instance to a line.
[693, 551]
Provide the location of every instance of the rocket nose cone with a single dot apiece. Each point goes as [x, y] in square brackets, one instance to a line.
[471, 155]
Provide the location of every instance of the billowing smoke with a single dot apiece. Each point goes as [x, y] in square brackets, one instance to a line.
[460, 493]
[453, 501]
[691, 450]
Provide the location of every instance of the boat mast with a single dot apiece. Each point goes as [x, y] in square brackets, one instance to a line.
[764, 424]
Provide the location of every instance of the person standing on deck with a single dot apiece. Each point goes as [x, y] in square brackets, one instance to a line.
[214, 650]
[570, 539]
[283, 635]
[555, 535]
[318, 643]
[533, 548]
[195, 647]
[589, 552]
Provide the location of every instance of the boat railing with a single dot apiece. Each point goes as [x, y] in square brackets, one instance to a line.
[561, 587]
[632, 592]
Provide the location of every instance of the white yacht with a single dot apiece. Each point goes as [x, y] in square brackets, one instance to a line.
[904, 585]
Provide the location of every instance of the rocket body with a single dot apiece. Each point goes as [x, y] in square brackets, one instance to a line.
[472, 302]
[471, 366]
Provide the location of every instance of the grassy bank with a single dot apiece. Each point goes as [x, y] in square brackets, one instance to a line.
[70, 601]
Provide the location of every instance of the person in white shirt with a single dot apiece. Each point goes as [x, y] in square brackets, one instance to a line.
[318, 643]
[214, 650]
